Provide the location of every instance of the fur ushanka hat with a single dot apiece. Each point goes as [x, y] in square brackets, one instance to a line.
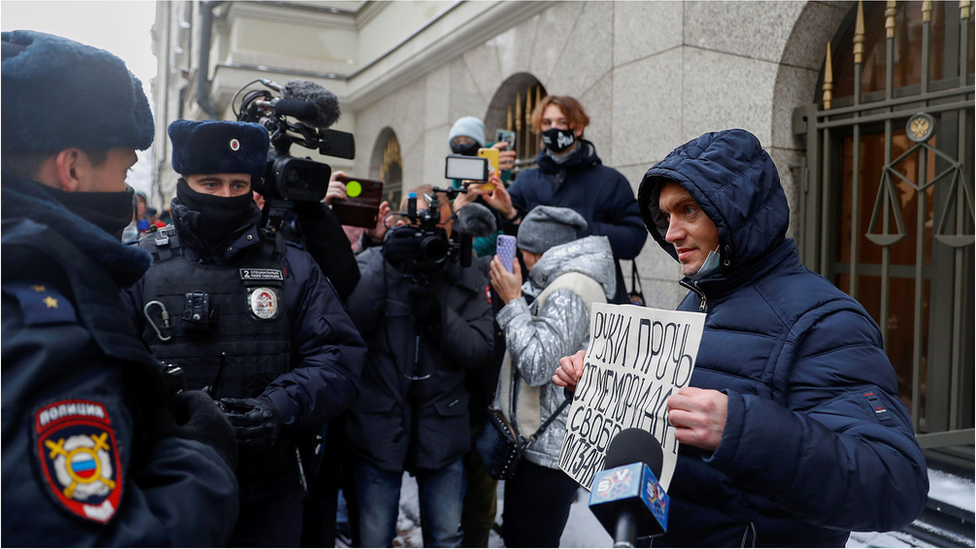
[218, 146]
[58, 94]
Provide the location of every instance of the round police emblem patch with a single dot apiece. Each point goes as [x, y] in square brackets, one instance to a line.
[79, 458]
[235, 145]
[263, 303]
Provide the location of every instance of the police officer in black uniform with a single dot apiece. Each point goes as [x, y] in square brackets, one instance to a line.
[251, 318]
[96, 449]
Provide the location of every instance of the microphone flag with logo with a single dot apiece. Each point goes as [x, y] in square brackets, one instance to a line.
[627, 498]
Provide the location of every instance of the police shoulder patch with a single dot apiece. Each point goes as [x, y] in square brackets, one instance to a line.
[78, 458]
[41, 303]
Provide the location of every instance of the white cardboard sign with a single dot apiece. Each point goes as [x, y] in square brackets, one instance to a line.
[636, 359]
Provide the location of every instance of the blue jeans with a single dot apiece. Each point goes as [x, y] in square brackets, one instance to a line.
[441, 496]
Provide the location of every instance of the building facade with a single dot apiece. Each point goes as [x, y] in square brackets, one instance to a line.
[885, 217]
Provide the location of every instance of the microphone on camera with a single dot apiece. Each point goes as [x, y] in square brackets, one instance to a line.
[325, 102]
[476, 220]
[627, 497]
[290, 107]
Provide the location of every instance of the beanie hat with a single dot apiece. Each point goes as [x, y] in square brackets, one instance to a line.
[548, 226]
[468, 126]
[61, 94]
[218, 146]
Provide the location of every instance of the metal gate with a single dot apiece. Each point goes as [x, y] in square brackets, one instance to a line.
[887, 199]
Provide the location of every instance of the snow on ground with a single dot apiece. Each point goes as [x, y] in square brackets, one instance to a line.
[584, 530]
[957, 491]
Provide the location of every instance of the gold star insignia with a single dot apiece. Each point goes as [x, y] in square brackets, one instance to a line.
[51, 302]
[37, 288]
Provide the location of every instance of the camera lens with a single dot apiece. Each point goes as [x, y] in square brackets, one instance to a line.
[434, 249]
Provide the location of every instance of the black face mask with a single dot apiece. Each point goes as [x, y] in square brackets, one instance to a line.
[466, 150]
[557, 140]
[111, 212]
[217, 216]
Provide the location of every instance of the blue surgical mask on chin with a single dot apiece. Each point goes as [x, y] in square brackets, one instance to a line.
[709, 266]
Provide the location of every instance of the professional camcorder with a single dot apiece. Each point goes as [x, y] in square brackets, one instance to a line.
[300, 114]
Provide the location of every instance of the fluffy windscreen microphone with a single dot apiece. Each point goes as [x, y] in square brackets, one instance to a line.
[476, 220]
[326, 103]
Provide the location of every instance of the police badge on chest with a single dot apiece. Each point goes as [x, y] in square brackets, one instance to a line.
[263, 303]
[262, 300]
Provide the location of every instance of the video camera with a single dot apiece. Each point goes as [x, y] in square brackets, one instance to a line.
[301, 114]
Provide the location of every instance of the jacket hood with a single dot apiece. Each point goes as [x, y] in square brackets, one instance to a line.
[590, 256]
[582, 158]
[736, 184]
[29, 199]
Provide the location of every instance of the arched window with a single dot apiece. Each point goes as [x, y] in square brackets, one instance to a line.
[511, 109]
[887, 200]
[386, 164]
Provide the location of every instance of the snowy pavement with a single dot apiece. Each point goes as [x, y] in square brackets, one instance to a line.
[583, 529]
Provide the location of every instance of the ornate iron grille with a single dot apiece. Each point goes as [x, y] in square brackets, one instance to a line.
[886, 199]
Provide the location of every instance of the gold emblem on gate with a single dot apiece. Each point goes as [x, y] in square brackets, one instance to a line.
[920, 127]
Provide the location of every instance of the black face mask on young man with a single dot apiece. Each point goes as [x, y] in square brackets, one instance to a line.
[111, 212]
[218, 216]
[557, 140]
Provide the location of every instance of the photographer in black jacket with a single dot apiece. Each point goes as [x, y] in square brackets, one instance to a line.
[425, 323]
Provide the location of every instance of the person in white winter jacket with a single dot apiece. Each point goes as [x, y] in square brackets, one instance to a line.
[566, 276]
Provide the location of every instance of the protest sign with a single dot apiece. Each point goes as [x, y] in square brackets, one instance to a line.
[637, 358]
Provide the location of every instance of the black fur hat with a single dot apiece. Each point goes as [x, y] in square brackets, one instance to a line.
[218, 146]
[59, 93]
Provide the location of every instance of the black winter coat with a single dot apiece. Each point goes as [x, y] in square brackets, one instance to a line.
[600, 194]
[67, 340]
[398, 424]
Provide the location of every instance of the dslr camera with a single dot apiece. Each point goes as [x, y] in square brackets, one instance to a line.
[298, 113]
[430, 246]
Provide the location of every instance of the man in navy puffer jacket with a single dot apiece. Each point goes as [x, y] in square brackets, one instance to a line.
[792, 431]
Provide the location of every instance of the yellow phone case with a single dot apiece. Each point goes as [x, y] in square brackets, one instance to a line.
[492, 156]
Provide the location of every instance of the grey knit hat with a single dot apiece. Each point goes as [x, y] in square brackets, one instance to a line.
[548, 226]
[468, 126]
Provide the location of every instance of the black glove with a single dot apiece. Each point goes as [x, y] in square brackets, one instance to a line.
[256, 421]
[194, 416]
[402, 249]
[425, 306]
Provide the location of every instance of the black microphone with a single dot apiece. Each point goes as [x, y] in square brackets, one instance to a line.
[627, 497]
[326, 103]
[476, 220]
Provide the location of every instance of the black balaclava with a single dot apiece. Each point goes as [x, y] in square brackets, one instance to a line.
[111, 212]
[218, 216]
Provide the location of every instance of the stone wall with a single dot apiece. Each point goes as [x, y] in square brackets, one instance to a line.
[651, 75]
